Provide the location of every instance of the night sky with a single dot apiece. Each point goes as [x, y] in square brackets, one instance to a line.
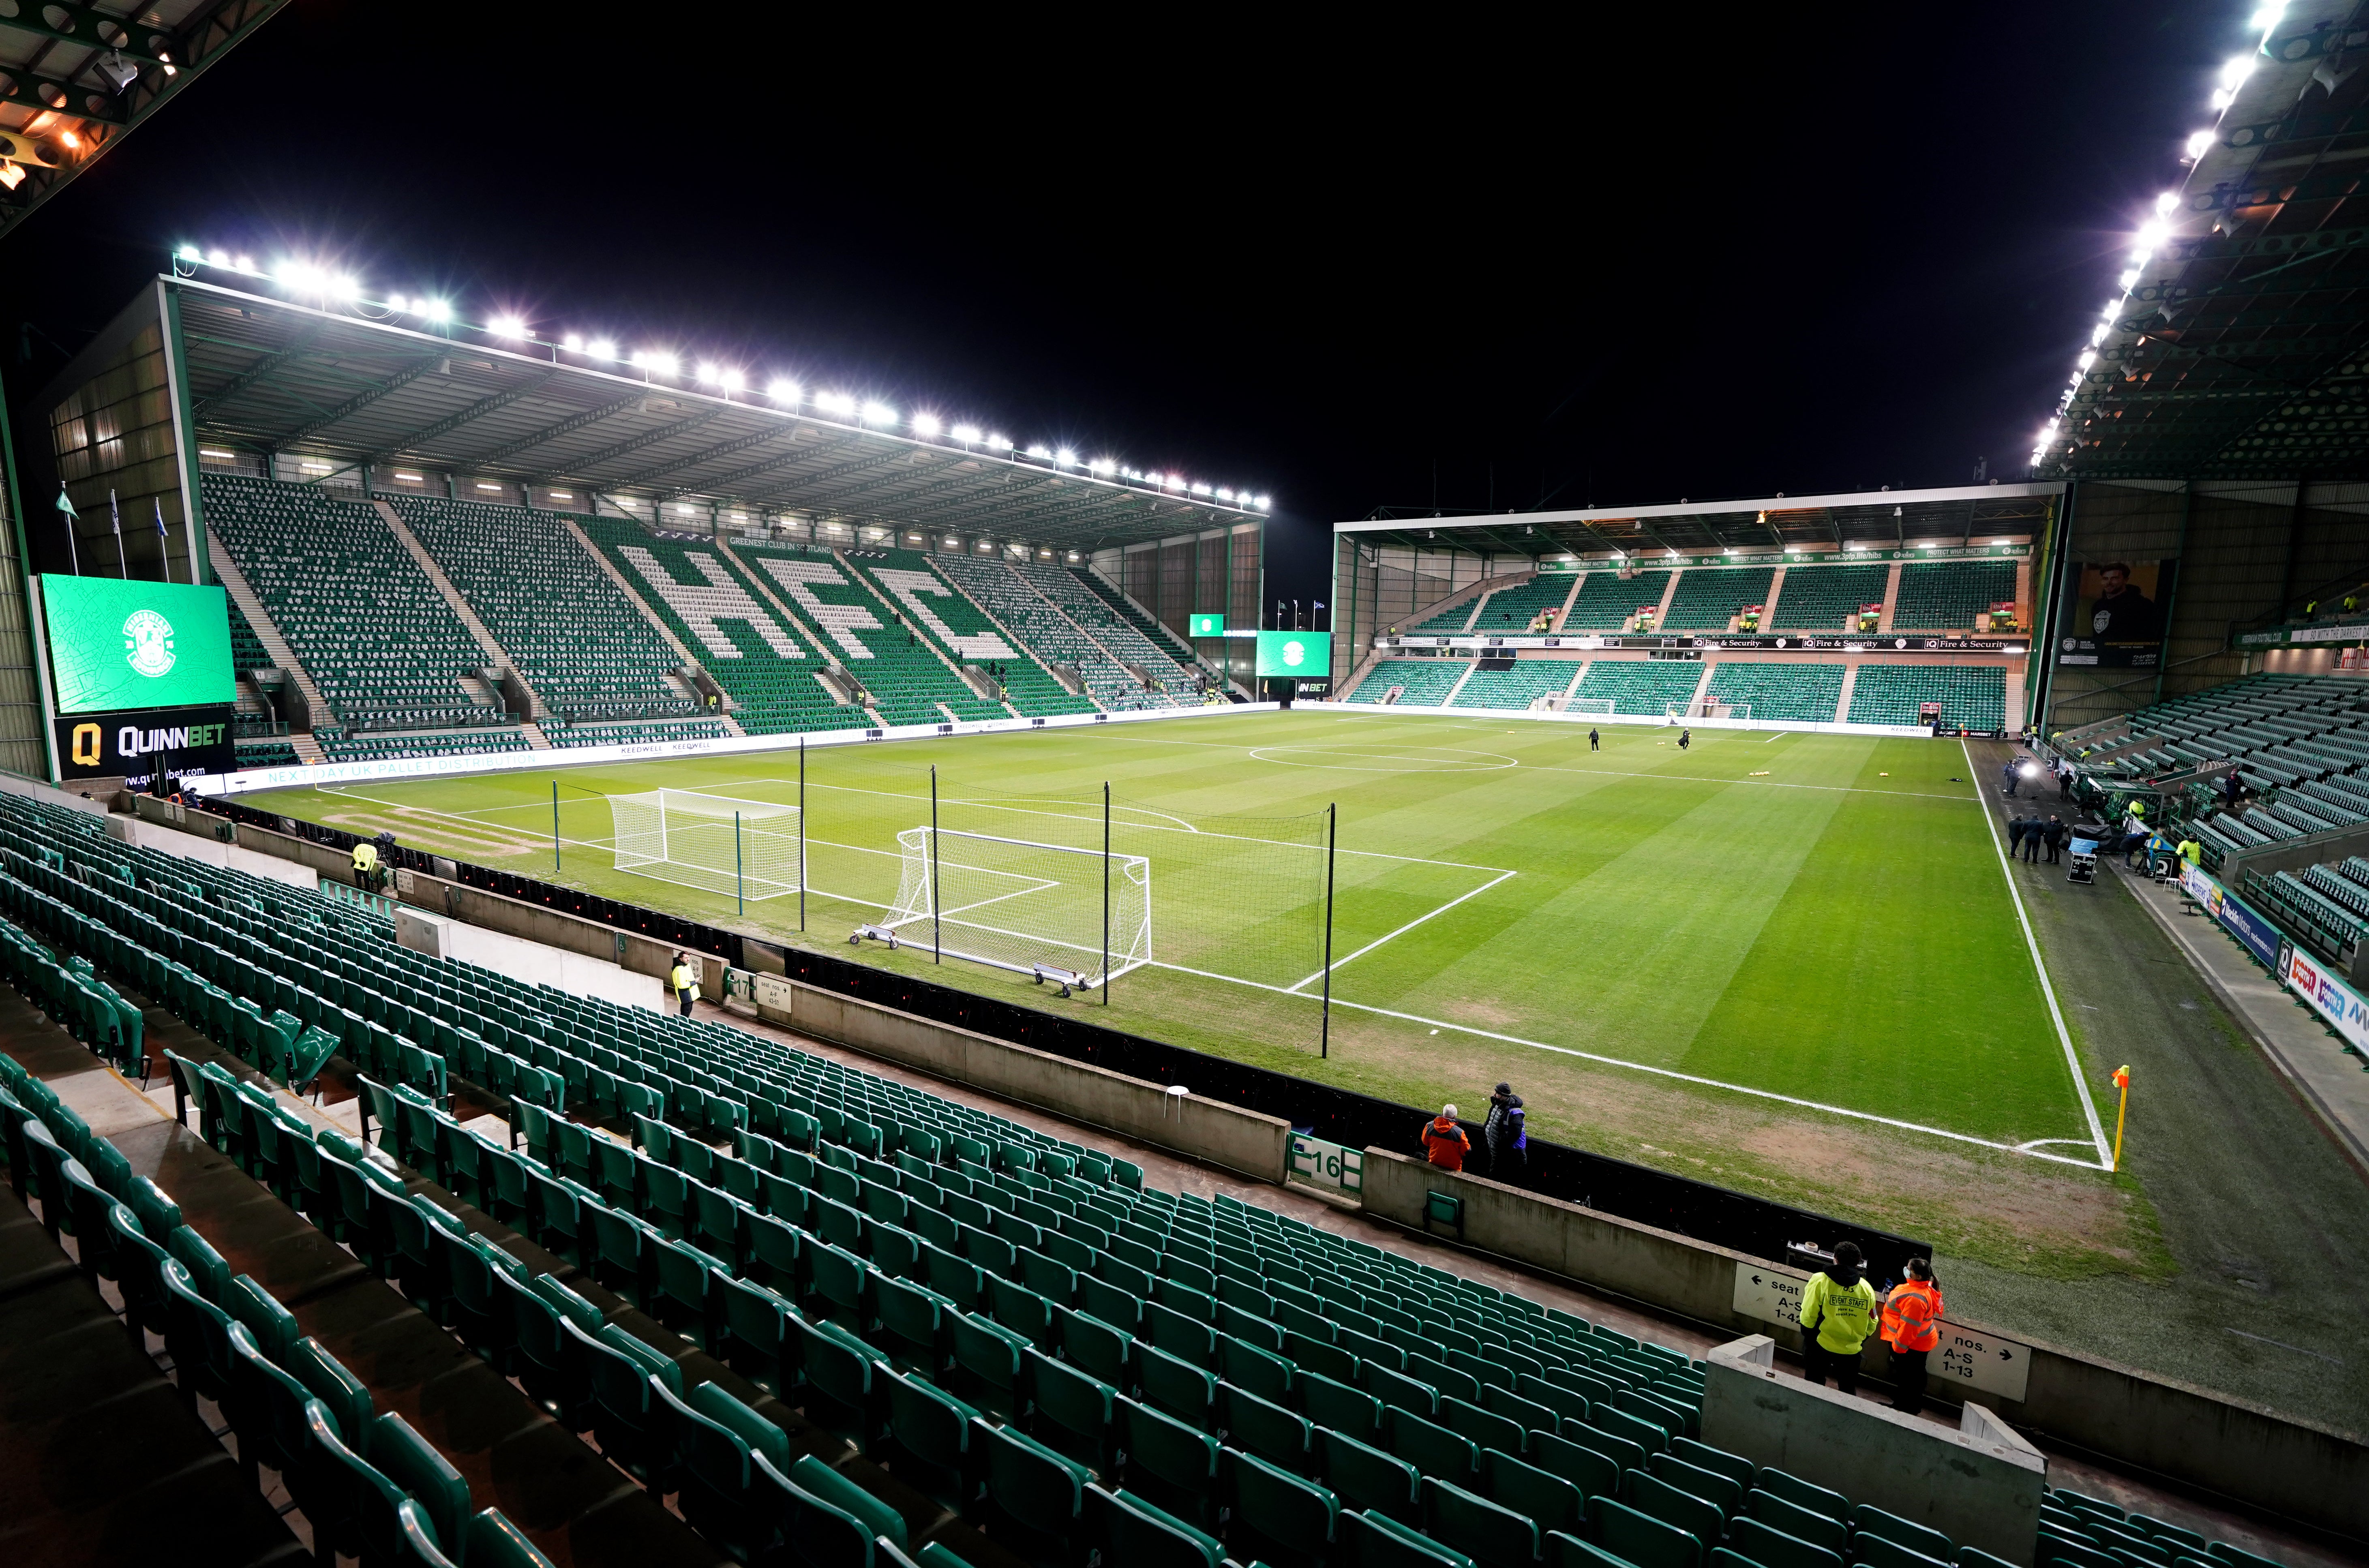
[1443, 260]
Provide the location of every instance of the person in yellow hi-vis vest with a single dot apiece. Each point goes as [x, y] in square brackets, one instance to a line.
[683, 980]
[365, 864]
[1838, 1315]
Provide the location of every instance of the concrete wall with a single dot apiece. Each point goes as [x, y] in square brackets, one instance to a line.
[1982, 1493]
[1207, 1130]
[2252, 1456]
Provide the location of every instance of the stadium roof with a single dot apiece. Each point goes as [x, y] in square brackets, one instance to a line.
[78, 79]
[2237, 347]
[269, 375]
[1972, 514]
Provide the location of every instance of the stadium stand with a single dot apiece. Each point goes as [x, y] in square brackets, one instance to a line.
[246, 648]
[945, 615]
[907, 682]
[587, 653]
[267, 754]
[1158, 635]
[1427, 681]
[1797, 693]
[1048, 633]
[1640, 685]
[1529, 680]
[1948, 596]
[1971, 697]
[786, 1251]
[1708, 597]
[377, 638]
[1457, 617]
[1081, 601]
[1825, 599]
[635, 734]
[1513, 608]
[1606, 601]
[375, 748]
[767, 667]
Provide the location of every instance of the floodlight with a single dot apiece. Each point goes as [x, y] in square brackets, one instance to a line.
[2237, 69]
[1224, 494]
[656, 362]
[573, 343]
[117, 70]
[1065, 458]
[834, 403]
[244, 264]
[999, 443]
[731, 380]
[2098, 335]
[602, 348]
[879, 414]
[967, 434]
[1264, 504]
[2087, 357]
[345, 288]
[396, 301]
[925, 424]
[436, 310]
[190, 253]
[781, 389]
[2268, 16]
[2199, 144]
[166, 62]
[1100, 465]
[217, 258]
[2166, 201]
[1040, 452]
[709, 375]
[507, 327]
[70, 139]
[1201, 489]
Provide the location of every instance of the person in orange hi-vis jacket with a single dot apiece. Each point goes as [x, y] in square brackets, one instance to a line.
[1912, 1326]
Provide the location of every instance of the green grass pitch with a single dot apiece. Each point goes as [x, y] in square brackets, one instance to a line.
[1820, 918]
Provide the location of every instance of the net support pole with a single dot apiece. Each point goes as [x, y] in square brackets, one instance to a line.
[802, 832]
[1324, 1015]
[1106, 974]
[938, 943]
[555, 824]
[740, 886]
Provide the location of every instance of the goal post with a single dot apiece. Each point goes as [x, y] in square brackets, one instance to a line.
[1035, 908]
[749, 850]
[1709, 707]
[1603, 707]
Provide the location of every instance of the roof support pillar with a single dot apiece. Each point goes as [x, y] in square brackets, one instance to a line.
[2179, 570]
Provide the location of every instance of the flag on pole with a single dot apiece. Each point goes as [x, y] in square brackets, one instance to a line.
[115, 517]
[65, 505]
[164, 543]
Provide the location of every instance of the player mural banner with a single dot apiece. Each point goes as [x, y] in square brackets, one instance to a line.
[2116, 620]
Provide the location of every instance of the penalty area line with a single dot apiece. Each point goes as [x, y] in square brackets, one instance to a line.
[1672, 1074]
[1368, 948]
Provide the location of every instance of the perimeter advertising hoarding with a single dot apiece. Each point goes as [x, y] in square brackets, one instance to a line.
[1307, 654]
[118, 645]
[134, 744]
[2329, 997]
[2117, 620]
[2255, 934]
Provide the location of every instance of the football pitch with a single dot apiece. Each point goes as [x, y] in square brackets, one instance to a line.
[1815, 926]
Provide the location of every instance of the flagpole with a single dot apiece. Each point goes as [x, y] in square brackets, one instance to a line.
[165, 542]
[115, 520]
[65, 505]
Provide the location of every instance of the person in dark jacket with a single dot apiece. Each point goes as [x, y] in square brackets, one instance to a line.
[2035, 832]
[2057, 833]
[1508, 1142]
[2015, 830]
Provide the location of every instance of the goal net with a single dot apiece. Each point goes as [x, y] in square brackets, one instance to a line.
[1602, 705]
[1711, 707]
[717, 843]
[1022, 905]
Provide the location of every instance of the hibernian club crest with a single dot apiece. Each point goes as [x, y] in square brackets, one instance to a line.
[148, 642]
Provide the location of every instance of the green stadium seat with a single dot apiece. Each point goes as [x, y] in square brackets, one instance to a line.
[1549, 1500]
[1803, 1524]
[1367, 1478]
[1376, 1541]
[1172, 1464]
[1697, 1517]
[1803, 1494]
[1719, 1491]
[1432, 1449]
[1869, 1520]
[1641, 1538]
[1773, 1548]
[1487, 1532]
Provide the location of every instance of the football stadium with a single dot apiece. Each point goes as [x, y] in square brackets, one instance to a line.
[617, 958]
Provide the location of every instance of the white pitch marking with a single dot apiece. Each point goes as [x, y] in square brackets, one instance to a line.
[1401, 930]
[2064, 1035]
[1656, 1072]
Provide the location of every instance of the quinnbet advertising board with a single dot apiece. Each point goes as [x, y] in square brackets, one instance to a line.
[1307, 654]
[136, 744]
[116, 646]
